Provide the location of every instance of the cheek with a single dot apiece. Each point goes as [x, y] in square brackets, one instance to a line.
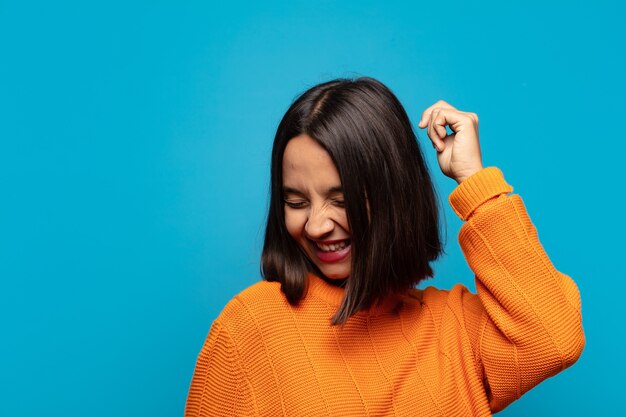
[294, 222]
[343, 222]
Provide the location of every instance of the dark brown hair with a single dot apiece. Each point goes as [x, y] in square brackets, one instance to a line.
[368, 135]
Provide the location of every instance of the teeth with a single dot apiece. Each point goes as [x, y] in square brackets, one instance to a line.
[332, 247]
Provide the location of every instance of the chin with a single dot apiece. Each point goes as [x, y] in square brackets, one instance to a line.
[335, 274]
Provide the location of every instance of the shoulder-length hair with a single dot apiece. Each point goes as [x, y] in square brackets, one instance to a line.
[391, 205]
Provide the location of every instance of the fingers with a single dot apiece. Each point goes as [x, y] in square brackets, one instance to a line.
[440, 115]
[426, 114]
[435, 121]
[437, 129]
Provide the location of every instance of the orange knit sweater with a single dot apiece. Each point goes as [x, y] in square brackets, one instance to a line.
[428, 353]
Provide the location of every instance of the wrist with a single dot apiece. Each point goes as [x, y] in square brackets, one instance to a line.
[476, 190]
[465, 175]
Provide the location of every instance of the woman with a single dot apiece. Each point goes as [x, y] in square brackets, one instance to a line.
[337, 328]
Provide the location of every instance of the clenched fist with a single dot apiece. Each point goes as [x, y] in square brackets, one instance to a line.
[458, 154]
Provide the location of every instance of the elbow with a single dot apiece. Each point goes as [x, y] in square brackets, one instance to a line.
[562, 344]
[573, 345]
[567, 338]
[565, 325]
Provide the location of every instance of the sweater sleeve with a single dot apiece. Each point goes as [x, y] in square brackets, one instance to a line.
[525, 325]
[219, 386]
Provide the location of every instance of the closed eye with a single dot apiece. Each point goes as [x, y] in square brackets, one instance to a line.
[295, 204]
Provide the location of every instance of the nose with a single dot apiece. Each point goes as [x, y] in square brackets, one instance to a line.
[318, 224]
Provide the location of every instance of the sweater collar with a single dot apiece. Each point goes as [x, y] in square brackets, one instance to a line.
[333, 295]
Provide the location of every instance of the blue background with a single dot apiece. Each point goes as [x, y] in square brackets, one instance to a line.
[134, 167]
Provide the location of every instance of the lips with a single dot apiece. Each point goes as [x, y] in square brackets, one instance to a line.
[332, 246]
[332, 251]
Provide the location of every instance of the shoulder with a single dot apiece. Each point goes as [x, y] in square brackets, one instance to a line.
[254, 305]
[435, 296]
[459, 300]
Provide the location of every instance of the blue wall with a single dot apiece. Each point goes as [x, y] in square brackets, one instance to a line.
[134, 162]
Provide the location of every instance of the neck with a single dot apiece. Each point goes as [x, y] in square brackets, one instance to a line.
[335, 282]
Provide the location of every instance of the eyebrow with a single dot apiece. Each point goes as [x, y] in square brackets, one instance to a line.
[331, 190]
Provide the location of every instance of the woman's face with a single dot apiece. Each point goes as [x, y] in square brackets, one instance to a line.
[314, 208]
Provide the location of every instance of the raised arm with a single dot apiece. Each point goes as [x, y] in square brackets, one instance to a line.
[525, 325]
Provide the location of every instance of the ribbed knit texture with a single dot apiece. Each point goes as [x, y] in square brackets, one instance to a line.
[428, 353]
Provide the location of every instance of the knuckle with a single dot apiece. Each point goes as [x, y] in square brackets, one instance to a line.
[469, 117]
